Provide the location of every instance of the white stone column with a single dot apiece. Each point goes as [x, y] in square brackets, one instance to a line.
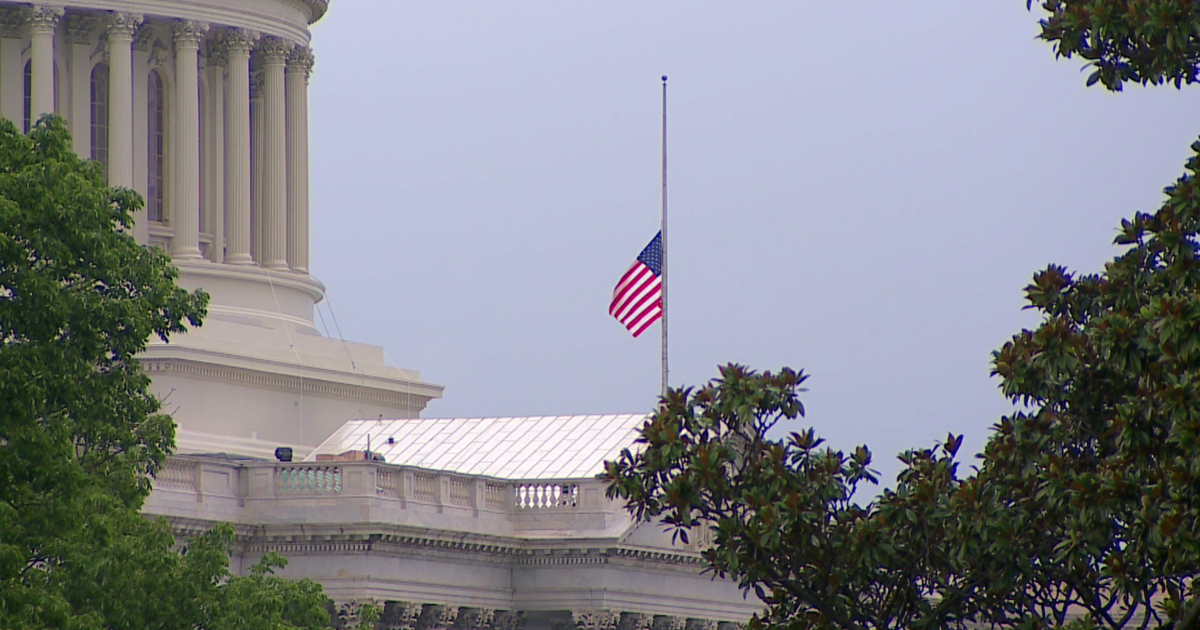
[185, 206]
[237, 147]
[121, 29]
[43, 21]
[214, 183]
[12, 69]
[274, 53]
[300, 64]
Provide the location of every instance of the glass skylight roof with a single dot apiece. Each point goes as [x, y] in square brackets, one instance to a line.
[540, 447]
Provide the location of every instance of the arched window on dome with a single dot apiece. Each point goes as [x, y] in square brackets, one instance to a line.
[156, 147]
[29, 92]
[100, 115]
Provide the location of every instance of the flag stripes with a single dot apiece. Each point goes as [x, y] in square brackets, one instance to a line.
[637, 298]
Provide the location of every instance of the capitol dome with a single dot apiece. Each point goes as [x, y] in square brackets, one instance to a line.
[466, 523]
[202, 107]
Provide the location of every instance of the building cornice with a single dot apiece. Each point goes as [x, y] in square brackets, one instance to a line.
[389, 540]
[313, 380]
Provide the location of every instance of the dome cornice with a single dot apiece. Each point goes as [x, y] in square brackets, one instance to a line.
[316, 9]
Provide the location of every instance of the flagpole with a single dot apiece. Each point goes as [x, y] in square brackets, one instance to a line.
[664, 235]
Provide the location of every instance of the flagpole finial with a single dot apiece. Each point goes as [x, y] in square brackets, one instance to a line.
[664, 78]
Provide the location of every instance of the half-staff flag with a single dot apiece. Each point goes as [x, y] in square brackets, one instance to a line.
[637, 300]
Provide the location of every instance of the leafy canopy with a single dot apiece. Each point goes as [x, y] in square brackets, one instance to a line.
[1084, 510]
[80, 434]
[1150, 42]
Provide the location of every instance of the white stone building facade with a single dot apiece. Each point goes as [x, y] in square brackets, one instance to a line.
[202, 107]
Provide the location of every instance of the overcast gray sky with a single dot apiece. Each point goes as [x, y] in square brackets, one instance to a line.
[861, 190]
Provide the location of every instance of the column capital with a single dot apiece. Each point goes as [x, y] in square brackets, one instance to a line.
[80, 29]
[216, 53]
[188, 33]
[44, 19]
[124, 25]
[239, 42]
[301, 59]
[274, 50]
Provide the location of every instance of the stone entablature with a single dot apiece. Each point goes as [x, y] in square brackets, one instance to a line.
[386, 533]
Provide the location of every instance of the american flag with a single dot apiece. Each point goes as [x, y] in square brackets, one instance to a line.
[637, 298]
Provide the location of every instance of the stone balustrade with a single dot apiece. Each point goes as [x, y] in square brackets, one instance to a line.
[475, 552]
[249, 492]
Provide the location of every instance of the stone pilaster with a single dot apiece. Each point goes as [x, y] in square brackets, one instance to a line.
[300, 63]
[81, 37]
[274, 53]
[214, 195]
[43, 22]
[13, 23]
[256, 175]
[143, 43]
[186, 181]
[122, 27]
[238, 44]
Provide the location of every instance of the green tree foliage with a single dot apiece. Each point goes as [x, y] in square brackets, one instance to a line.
[1140, 41]
[1085, 508]
[80, 435]
[783, 518]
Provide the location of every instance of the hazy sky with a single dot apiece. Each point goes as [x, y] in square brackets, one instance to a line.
[859, 190]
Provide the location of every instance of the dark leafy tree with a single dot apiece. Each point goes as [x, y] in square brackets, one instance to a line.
[1085, 508]
[1150, 42]
[80, 434]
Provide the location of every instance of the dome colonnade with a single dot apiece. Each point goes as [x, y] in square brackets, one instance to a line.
[209, 121]
[202, 107]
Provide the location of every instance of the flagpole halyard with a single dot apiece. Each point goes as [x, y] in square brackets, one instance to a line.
[664, 236]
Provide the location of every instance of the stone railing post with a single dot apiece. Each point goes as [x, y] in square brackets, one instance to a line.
[198, 481]
[261, 482]
[358, 478]
[443, 491]
[478, 495]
